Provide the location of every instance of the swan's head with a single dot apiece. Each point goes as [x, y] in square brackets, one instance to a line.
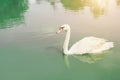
[64, 27]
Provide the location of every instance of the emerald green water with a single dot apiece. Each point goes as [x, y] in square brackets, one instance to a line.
[30, 49]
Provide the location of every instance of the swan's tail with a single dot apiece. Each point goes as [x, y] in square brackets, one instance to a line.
[106, 46]
[109, 45]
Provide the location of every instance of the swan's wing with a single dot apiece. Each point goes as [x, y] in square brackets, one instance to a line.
[86, 45]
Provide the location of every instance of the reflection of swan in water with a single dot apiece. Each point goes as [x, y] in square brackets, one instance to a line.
[86, 45]
[88, 58]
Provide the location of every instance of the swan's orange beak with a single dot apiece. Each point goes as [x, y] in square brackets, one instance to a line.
[60, 30]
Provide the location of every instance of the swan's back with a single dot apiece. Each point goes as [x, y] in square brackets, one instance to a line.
[90, 45]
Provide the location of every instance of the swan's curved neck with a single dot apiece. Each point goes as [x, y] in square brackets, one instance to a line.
[66, 42]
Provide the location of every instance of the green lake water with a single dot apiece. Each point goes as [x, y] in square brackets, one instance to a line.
[31, 50]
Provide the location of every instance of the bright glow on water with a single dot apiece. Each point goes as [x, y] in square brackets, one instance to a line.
[31, 50]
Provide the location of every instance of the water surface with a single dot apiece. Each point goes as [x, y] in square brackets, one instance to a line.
[30, 49]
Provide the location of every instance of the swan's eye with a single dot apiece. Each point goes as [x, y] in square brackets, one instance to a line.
[61, 28]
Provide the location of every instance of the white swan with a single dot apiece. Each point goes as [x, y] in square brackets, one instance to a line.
[86, 45]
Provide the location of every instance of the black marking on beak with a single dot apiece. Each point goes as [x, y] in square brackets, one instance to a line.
[61, 28]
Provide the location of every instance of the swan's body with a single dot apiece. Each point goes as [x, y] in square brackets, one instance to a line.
[86, 45]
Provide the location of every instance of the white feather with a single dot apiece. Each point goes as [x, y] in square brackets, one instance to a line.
[90, 45]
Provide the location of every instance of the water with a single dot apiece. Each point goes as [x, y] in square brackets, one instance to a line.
[30, 49]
